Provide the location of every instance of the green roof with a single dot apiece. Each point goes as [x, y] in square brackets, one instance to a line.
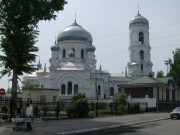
[145, 80]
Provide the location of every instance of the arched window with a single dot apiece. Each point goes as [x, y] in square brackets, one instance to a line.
[63, 89]
[142, 67]
[64, 53]
[99, 90]
[82, 53]
[111, 91]
[141, 38]
[141, 55]
[75, 88]
[69, 87]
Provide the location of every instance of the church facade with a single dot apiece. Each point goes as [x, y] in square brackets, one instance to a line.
[73, 63]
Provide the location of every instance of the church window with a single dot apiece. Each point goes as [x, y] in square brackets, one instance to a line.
[141, 38]
[99, 90]
[75, 88]
[63, 89]
[69, 87]
[111, 91]
[64, 53]
[141, 55]
[141, 66]
[82, 53]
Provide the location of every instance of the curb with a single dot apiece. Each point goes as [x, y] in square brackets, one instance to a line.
[106, 127]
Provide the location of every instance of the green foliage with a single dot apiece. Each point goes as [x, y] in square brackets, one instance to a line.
[175, 67]
[133, 108]
[79, 106]
[160, 74]
[82, 109]
[4, 109]
[71, 111]
[45, 109]
[78, 96]
[18, 33]
[120, 98]
[35, 110]
[29, 85]
[105, 111]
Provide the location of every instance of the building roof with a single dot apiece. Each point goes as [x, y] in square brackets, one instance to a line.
[75, 32]
[139, 19]
[71, 66]
[145, 80]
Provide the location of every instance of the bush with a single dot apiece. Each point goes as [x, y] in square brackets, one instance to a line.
[45, 110]
[105, 111]
[4, 109]
[82, 108]
[79, 106]
[35, 110]
[71, 111]
[133, 108]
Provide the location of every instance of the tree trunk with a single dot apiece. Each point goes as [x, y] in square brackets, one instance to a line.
[14, 90]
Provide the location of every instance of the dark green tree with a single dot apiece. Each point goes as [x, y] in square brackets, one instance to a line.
[160, 74]
[18, 32]
[175, 67]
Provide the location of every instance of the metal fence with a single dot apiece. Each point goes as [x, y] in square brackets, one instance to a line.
[58, 110]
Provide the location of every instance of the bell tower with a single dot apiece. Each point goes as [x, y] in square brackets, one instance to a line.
[139, 49]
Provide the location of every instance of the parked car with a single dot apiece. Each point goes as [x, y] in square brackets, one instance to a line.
[175, 113]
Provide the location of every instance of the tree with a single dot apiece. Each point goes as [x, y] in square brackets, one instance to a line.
[120, 98]
[29, 85]
[160, 74]
[19, 30]
[175, 67]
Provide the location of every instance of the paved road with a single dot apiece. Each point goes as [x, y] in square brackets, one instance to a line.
[164, 127]
[67, 126]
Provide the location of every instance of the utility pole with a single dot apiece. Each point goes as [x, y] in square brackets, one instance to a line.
[167, 63]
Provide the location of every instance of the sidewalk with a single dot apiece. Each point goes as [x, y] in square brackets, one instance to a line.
[60, 127]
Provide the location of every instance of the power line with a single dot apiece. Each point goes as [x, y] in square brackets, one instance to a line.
[123, 51]
[125, 43]
[154, 27]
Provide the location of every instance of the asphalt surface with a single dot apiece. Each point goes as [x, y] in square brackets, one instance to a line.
[77, 126]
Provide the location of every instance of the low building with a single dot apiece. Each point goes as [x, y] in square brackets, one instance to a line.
[41, 95]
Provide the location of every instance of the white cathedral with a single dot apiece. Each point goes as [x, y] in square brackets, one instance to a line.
[73, 63]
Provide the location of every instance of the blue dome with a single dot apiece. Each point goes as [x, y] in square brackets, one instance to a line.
[138, 19]
[75, 32]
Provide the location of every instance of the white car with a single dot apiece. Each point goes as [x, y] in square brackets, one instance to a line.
[175, 113]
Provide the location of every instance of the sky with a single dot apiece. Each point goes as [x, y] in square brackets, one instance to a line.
[108, 23]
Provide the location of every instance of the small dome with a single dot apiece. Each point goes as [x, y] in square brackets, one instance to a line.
[55, 48]
[75, 32]
[90, 48]
[39, 65]
[138, 19]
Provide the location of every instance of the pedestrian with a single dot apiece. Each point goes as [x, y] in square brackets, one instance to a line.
[28, 116]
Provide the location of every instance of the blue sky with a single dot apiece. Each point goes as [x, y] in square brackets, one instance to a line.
[108, 22]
